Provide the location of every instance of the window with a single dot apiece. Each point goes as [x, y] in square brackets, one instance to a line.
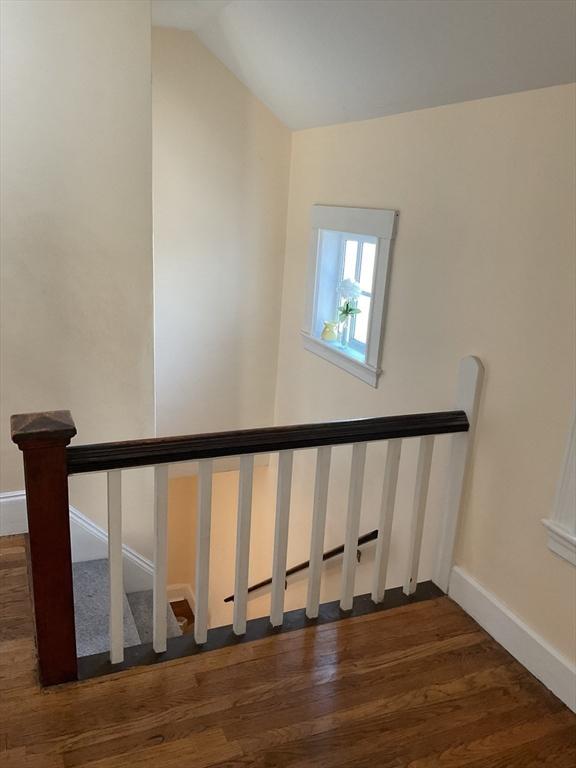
[347, 287]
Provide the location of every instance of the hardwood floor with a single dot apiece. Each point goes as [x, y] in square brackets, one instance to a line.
[417, 686]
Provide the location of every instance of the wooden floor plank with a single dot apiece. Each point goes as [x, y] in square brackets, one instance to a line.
[420, 686]
[556, 750]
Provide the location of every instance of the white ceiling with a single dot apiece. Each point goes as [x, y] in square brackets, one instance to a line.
[317, 62]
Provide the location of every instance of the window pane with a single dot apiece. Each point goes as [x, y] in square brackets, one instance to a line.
[367, 266]
[350, 255]
[361, 324]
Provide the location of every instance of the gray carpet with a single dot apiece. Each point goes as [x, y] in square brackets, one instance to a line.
[141, 607]
[91, 608]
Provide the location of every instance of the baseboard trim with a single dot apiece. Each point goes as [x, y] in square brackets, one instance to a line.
[561, 541]
[76, 517]
[13, 513]
[89, 541]
[532, 651]
[182, 592]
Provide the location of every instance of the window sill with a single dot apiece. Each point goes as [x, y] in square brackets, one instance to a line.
[329, 352]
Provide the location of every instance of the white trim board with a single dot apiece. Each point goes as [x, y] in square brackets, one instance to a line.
[364, 371]
[532, 651]
[561, 541]
[562, 524]
[13, 513]
[88, 540]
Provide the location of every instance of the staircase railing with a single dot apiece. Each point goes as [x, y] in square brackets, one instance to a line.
[48, 461]
[364, 539]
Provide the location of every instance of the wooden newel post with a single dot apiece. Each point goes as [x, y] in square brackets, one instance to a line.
[42, 438]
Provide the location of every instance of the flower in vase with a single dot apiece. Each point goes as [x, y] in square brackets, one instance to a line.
[347, 310]
[350, 289]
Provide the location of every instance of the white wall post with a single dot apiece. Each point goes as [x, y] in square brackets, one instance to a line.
[470, 378]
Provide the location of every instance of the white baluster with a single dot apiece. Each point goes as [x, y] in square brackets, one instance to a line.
[386, 518]
[160, 600]
[203, 550]
[283, 492]
[352, 525]
[243, 543]
[323, 457]
[419, 508]
[470, 379]
[116, 616]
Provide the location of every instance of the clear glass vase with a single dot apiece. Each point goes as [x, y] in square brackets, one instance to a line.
[345, 333]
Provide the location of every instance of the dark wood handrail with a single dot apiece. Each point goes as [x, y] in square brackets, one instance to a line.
[302, 566]
[99, 457]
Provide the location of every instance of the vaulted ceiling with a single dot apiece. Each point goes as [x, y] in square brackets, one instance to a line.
[317, 62]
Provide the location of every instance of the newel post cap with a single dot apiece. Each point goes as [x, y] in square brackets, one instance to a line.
[42, 429]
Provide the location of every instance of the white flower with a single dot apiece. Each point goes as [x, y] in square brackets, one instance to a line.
[350, 289]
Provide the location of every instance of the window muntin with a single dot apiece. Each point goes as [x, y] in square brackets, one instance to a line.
[346, 276]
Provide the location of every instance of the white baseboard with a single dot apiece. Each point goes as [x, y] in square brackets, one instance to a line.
[561, 541]
[88, 540]
[532, 651]
[182, 592]
[13, 513]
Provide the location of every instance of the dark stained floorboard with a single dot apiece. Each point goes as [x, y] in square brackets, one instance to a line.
[421, 686]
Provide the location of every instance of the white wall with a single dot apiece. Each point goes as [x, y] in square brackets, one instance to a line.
[484, 264]
[77, 226]
[221, 162]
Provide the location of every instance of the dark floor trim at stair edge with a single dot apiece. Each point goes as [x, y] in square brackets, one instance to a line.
[256, 629]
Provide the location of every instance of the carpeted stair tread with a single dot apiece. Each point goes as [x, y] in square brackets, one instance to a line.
[141, 606]
[91, 608]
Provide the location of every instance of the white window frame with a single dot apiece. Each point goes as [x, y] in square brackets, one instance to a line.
[374, 222]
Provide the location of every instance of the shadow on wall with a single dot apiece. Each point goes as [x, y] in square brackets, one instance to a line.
[220, 173]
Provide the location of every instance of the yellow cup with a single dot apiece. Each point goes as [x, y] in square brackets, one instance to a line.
[329, 332]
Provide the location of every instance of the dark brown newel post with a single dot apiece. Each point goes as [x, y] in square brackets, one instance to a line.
[43, 437]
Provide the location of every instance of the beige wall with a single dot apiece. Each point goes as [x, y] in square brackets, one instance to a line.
[221, 163]
[182, 506]
[484, 264]
[76, 225]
